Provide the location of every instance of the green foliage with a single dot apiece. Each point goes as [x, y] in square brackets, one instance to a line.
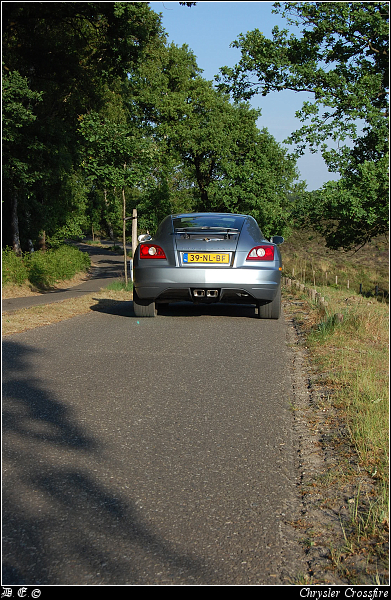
[116, 158]
[113, 151]
[43, 269]
[349, 212]
[19, 141]
[17, 104]
[210, 151]
[70, 220]
[98, 107]
[68, 52]
[74, 48]
[340, 56]
[14, 269]
[259, 181]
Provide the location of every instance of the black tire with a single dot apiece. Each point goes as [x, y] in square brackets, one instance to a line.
[161, 306]
[272, 310]
[143, 308]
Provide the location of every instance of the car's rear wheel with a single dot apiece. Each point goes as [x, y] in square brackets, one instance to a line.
[143, 308]
[272, 310]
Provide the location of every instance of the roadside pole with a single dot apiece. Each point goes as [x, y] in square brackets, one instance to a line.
[124, 236]
[134, 231]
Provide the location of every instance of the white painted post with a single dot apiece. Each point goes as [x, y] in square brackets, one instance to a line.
[134, 232]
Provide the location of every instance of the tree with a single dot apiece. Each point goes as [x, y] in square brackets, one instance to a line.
[341, 58]
[349, 212]
[236, 167]
[68, 53]
[116, 156]
[151, 98]
[260, 181]
[19, 143]
[97, 106]
[211, 151]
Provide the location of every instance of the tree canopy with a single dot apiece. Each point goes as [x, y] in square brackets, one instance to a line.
[98, 107]
[66, 54]
[339, 56]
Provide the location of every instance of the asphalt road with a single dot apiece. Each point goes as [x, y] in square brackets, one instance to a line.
[150, 451]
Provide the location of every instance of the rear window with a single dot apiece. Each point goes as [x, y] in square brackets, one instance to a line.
[208, 222]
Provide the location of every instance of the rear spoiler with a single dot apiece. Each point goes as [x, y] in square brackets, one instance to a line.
[188, 231]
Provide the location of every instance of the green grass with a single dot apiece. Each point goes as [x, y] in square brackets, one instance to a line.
[43, 269]
[120, 285]
[14, 268]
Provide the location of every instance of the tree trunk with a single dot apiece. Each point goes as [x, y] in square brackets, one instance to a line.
[124, 234]
[15, 225]
[109, 225]
[42, 241]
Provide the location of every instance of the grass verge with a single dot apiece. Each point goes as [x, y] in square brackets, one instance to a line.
[37, 316]
[350, 359]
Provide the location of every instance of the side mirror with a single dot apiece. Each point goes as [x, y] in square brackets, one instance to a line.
[277, 239]
[144, 237]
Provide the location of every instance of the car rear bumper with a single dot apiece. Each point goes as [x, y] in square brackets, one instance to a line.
[168, 284]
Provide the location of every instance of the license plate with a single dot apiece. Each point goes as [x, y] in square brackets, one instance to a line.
[197, 258]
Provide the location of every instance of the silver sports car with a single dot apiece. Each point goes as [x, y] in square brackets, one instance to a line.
[208, 257]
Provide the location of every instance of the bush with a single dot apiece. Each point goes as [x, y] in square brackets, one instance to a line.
[44, 269]
[14, 270]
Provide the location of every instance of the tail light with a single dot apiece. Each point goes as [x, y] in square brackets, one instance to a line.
[261, 253]
[151, 251]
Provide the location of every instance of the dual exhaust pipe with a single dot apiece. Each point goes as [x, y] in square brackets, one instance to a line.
[199, 293]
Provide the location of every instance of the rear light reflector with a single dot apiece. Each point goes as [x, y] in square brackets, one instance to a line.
[151, 251]
[261, 253]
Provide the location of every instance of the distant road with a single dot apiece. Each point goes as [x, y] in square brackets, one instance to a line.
[150, 451]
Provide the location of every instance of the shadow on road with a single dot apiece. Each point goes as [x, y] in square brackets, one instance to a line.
[61, 523]
[180, 309]
[113, 307]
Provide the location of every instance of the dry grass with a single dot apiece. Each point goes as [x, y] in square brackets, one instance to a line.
[355, 354]
[350, 358]
[306, 258]
[38, 316]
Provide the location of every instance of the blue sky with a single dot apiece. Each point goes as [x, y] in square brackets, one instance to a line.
[208, 29]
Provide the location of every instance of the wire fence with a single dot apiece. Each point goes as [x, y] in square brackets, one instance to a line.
[340, 280]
